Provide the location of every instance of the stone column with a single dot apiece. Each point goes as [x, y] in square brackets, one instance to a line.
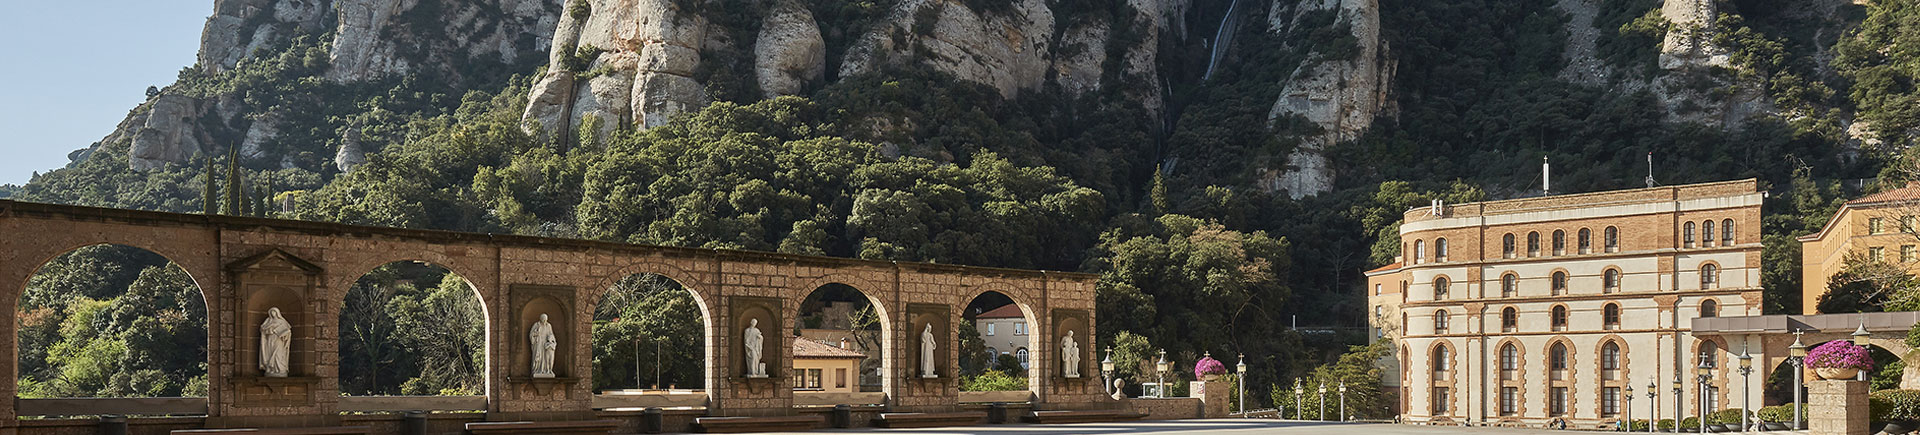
[1837, 408]
[1214, 396]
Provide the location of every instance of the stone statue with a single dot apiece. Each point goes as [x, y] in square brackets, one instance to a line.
[1118, 392]
[926, 353]
[1069, 356]
[276, 336]
[543, 346]
[755, 368]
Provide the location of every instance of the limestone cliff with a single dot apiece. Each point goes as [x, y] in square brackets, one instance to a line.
[1341, 97]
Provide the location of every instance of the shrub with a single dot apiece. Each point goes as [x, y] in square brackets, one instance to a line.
[1781, 413]
[1666, 425]
[1208, 366]
[1894, 405]
[1690, 423]
[1840, 354]
[1727, 416]
[1639, 426]
[993, 380]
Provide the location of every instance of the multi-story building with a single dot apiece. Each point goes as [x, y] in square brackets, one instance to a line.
[819, 366]
[1878, 227]
[1536, 310]
[1004, 330]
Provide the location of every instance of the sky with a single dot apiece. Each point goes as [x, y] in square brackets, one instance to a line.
[74, 69]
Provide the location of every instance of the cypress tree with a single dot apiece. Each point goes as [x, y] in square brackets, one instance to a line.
[208, 204]
[1159, 193]
[236, 199]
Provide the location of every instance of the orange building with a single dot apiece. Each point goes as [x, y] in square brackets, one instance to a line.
[1880, 226]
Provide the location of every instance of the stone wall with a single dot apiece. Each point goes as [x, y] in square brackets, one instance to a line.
[1170, 408]
[1837, 408]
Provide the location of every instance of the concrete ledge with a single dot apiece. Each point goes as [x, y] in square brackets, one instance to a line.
[113, 405]
[339, 430]
[542, 427]
[412, 403]
[755, 424]
[1060, 417]
[815, 398]
[996, 396]
[919, 419]
[650, 400]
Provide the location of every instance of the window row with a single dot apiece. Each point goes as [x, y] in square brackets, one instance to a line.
[1706, 233]
[1610, 242]
[1878, 225]
[1558, 282]
[1559, 361]
[1559, 317]
[1908, 254]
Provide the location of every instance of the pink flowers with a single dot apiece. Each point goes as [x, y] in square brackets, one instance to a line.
[1208, 366]
[1839, 354]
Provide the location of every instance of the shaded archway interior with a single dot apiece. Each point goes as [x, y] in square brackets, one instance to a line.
[412, 328]
[107, 320]
[996, 344]
[842, 317]
[649, 333]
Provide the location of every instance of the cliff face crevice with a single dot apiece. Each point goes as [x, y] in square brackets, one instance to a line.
[1339, 93]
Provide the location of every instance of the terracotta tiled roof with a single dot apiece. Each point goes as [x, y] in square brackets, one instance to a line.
[1007, 311]
[1384, 268]
[804, 348]
[1911, 192]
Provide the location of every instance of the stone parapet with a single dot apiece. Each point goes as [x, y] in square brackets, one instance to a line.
[1837, 408]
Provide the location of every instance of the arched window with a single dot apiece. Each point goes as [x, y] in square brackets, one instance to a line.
[1440, 321]
[1613, 239]
[1559, 283]
[1022, 354]
[1560, 318]
[1440, 288]
[1559, 242]
[1586, 241]
[1440, 249]
[1610, 281]
[1507, 245]
[1440, 362]
[1710, 354]
[1610, 316]
[1557, 360]
[1419, 251]
[1709, 275]
[1686, 235]
[1709, 308]
[1706, 233]
[1533, 244]
[1509, 362]
[1509, 320]
[1509, 285]
[1726, 231]
[1610, 361]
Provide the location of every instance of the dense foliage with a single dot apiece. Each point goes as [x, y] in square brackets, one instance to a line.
[112, 321]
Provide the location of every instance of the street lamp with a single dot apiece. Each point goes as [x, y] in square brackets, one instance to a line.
[1679, 404]
[1746, 393]
[1241, 382]
[1797, 355]
[1860, 339]
[1299, 409]
[1628, 426]
[1343, 400]
[1106, 372]
[1705, 373]
[1653, 405]
[1160, 369]
[1323, 400]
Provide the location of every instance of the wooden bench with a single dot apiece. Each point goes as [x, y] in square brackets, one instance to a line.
[756, 424]
[543, 427]
[923, 419]
[1062, 417]
[337, 430]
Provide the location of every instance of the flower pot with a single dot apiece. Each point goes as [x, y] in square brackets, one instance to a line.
[1211, 378]
[1898, 427]
[1775, 426]
[1723, 428]
[1836, 373]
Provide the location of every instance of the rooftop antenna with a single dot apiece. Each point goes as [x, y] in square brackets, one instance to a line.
[1650, 182]
[1546, 177]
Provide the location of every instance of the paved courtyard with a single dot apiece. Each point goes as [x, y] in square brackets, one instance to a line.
[1217, 426]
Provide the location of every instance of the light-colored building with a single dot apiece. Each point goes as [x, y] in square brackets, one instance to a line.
[1880, 226]
[1528, 311]
[822, 367]
[1004, 330]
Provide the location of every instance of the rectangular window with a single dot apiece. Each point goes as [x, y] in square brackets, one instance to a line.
[1609, 401]
[1877, 253]
[1376, 289]
[1558, 395]
[990, 329]
[1906, 224]
[1908, 254]
[1713, 399]
[1020, 328]
[1509, 397]
[1873, 226]
[840, 378]
[1440, 400]
[812, 380]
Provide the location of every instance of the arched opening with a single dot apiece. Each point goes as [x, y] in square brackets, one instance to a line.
[110, 321]
[413, 328]
[995, 338]
[650, 341]
[838, 343]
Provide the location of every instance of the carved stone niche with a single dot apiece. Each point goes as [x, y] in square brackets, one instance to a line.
[274, 279]
[918, 317]
[1076, 321]
[776, 336]
[528, 302]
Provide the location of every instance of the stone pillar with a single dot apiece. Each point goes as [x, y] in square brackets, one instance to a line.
[1837, 408]
[1214, 396]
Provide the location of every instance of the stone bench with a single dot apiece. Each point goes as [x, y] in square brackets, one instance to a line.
[543, 427]
[337, 430]
[893, 420]
[1062, 417]
[756, 424]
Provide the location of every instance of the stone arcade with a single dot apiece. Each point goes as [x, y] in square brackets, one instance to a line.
[288, 278]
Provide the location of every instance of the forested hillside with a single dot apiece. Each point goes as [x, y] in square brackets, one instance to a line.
[1222, 190]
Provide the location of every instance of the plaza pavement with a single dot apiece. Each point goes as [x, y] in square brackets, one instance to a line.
[1215, 426]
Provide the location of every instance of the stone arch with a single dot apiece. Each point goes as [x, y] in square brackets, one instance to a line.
[201, 268]
[1567, 381]
[889, 345]
[343, 275]
[711, 326]
[1721, 358]
[1624, 377]
[40, 257]
[493, 312]
[1519, 381]
[1038, 333]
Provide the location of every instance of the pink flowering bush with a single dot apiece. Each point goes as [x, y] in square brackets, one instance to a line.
[1839, 354]
[1208, 366]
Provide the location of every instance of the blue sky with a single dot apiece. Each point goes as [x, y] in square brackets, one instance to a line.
[74, 69]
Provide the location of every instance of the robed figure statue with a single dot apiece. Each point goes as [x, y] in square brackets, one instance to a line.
[754, 341]
[543, 346]
[926, 353]
[276, 336]
[1069, 356]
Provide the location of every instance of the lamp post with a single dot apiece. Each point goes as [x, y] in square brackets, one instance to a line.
[1160, 369]
[1746, 387]
[1797, 355]
[1628, 425]
[1653, 405]
[1241, 382]
[1343, 400]
[1323, 401]
[1299, 409]
[1106, 372]
[1860, 339]
[1705, 374]
[1679, 404]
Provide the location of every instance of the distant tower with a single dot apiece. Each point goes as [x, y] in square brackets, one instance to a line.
[1650, 182]
[1546, 177]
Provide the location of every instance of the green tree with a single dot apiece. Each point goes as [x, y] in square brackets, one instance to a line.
[1227, 284]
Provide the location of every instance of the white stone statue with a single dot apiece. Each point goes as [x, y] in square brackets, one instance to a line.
[1069, 356]
[1118, 393]
[544, 344]
[926, 353]
[276, 336]
[755, 368]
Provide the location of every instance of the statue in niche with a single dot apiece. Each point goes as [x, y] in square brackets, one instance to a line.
[276, 337]
[755, 341]
[1069, 356]
[544, 344]
[926, 353]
